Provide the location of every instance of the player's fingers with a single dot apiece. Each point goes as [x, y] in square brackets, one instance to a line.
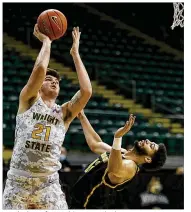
[132, 122]
[73, 36]
[133, 118]
[75, 31]
[130, 116]
[34, 31]
[79, 34]
[127, 123]
[36, 28]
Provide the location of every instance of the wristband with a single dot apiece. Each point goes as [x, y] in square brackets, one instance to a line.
[117, 143]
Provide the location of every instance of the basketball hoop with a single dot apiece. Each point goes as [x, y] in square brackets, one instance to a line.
[178, 15]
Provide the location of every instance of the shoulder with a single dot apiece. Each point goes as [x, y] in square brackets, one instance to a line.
[129, 163]
[130, 166]
[26, 105]
[127, 172]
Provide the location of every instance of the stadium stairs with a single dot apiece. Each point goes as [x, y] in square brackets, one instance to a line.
[111, 95]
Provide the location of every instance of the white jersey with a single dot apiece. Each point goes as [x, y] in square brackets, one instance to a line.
[39, 135]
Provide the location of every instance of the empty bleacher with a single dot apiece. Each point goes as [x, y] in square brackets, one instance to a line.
[115, 59]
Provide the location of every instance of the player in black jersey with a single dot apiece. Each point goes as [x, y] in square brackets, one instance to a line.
[110, 173]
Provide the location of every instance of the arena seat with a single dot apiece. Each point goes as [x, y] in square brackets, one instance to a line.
[107, 55]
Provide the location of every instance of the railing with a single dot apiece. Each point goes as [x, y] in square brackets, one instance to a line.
[155, 105]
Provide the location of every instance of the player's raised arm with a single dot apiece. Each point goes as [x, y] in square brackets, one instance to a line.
[116, 166]
[93, 140]
[80, 99]
[30, 92]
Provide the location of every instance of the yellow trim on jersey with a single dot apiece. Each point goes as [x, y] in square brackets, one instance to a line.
[91, 165]
[99, 184]
[104, 158]
[105, 183]
[90, 194]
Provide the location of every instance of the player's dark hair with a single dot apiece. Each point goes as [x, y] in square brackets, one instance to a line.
[54, 73]
[158, 159]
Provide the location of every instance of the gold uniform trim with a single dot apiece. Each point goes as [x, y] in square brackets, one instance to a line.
[105, 183]
[91, 166]
[105, 159]
[90, 194]
[99, 184]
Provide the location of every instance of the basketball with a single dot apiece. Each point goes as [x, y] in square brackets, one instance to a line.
[52, 23]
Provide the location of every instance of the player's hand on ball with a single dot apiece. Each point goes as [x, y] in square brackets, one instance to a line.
[40, 35]
[123, 130]
[76, 40]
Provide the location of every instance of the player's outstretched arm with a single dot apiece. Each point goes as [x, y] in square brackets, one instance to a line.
[30, 92]
[93, 140]
[80, 99]
[117, 169]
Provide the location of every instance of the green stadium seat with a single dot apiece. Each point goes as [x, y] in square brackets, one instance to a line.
[115, 55]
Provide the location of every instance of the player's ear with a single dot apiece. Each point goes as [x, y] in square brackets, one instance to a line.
[148, 159]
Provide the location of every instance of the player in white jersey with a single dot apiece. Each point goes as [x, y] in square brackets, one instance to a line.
[33, 181]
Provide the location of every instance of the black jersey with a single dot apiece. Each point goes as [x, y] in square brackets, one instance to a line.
[94, 190]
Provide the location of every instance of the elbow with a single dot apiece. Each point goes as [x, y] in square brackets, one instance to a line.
[40, 68]
[93, 148]
[87, 92]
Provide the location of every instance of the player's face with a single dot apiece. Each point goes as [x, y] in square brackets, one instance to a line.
[146, 147]
[51, 84]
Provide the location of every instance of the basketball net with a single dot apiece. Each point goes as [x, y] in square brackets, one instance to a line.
[178, 15]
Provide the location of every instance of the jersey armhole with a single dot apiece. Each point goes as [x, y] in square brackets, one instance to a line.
[20, 114]
[106, 181]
